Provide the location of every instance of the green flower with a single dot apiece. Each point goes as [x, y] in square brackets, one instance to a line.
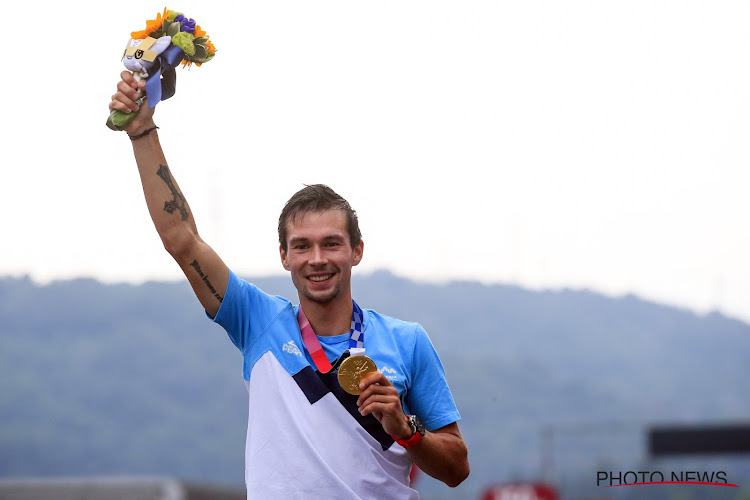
[184, 40]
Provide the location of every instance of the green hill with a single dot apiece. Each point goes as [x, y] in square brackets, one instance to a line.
[123, 379]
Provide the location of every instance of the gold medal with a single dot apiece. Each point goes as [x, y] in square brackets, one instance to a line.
[352, 370]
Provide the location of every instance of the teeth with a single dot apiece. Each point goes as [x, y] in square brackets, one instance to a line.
[320, 278]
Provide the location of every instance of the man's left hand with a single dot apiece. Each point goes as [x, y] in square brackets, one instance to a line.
[442, 453]
[379, 398]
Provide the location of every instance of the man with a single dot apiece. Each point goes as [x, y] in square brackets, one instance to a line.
[307, 436]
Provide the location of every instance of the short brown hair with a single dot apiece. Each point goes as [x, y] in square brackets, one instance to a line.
[318, 198]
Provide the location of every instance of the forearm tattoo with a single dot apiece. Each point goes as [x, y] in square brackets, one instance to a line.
[178, 201]
[204, 277]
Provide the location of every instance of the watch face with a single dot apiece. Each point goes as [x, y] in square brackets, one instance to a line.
[416, 425]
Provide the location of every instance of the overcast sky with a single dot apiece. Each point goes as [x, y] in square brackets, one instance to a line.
[581, 144]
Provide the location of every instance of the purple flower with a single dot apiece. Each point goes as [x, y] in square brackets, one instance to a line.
[185, 23]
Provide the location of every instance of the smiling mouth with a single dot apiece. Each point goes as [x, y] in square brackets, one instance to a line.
[319, 278]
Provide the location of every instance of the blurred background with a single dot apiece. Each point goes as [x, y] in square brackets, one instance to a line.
[555, 190]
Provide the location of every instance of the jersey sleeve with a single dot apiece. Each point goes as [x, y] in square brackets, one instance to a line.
[429, 396]
[246, 311]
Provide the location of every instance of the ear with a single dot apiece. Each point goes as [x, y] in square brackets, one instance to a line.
[284, 262]
[358, 252]
[161, 44]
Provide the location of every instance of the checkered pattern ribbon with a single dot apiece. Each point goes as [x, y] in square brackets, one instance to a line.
[357, 338]
[312, 344]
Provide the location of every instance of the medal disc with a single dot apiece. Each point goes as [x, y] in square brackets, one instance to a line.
[352, 370]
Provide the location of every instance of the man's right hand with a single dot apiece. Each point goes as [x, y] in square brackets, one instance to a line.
[128, 90]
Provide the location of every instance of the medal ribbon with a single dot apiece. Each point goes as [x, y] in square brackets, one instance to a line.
[312, 344]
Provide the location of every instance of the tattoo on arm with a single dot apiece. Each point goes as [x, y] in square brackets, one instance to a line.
[178, 201]
[204, 277]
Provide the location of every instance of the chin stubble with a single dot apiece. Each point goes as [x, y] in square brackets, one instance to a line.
[322, 300]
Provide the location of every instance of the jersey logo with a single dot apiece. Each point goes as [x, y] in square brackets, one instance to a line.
[389, 373]
[292, 348]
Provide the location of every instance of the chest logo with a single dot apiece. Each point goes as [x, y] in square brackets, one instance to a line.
[292, 348]
[389, 373]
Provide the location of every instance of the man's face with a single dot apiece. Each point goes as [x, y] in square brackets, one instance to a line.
[320, 256]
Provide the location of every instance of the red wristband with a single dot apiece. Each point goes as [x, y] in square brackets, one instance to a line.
[416, 438]
[418, 429]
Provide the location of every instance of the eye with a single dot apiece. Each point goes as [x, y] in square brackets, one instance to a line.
[300, 246]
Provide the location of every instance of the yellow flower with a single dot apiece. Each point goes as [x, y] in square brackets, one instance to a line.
[151, 26]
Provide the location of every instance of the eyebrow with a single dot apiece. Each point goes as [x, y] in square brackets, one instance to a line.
[337, 237]
[298, 240]
[331, 237]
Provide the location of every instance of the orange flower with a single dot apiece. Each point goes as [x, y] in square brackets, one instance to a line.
[151, 26]
[198, 31]
[210, 47]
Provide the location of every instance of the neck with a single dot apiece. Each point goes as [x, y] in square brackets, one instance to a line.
[329, 319]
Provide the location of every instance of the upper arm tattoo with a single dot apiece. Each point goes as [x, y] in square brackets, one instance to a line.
[178, 201]
[204, 277]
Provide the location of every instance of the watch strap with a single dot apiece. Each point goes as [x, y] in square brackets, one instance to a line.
[414, 439]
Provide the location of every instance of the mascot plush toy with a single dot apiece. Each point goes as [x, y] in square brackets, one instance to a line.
[142, 54]
[153, 54]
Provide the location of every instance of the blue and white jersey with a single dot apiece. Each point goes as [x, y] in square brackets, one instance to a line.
[305, 436]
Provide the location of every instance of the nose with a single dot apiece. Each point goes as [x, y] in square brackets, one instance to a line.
[318, 256]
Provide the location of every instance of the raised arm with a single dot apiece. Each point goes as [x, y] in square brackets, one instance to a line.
[169, 210]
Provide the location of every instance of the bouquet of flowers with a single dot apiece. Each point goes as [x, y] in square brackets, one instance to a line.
[153, 54]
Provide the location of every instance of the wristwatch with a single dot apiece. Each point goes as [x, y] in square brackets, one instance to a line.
[417, 430]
